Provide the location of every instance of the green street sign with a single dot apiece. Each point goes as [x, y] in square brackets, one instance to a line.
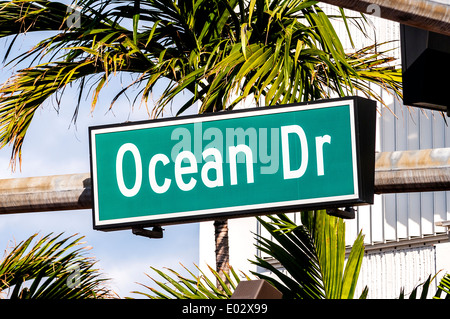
[235, 163]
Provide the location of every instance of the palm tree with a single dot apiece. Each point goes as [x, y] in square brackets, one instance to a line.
[179, 286]
[312, 264]
[220, 52]
[50, 267]
[311, 257]
[442, 291]
[222, 251]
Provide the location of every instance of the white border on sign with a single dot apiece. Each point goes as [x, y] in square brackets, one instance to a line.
[219, 117]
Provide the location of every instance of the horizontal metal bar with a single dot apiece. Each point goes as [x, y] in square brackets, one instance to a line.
[412, 171]
[425, 14]
[46, 193]
[395, 172]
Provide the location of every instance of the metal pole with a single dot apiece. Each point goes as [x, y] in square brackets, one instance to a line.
[412, 171]
[395, 172]
[46, 193]
[425, 14]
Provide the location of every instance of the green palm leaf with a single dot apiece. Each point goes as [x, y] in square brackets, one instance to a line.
[442, 291]
[50, 268]
[313, 255]
[444, 287]
[178, 286]
[220, 51]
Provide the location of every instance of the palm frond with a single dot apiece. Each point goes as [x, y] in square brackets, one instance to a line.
[220, 51]
[178, 286]
[443, 288]
[312, 255]
[51, 267]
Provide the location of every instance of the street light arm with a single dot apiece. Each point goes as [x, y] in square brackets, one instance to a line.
[424, 14]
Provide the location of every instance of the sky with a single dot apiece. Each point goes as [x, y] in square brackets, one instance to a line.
[53, 146]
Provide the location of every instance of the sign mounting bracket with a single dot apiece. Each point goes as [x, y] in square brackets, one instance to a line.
[156, 232]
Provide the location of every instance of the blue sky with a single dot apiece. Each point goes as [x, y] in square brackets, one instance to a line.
[53, 146]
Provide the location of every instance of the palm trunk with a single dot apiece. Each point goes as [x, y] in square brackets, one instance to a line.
[222, 249]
